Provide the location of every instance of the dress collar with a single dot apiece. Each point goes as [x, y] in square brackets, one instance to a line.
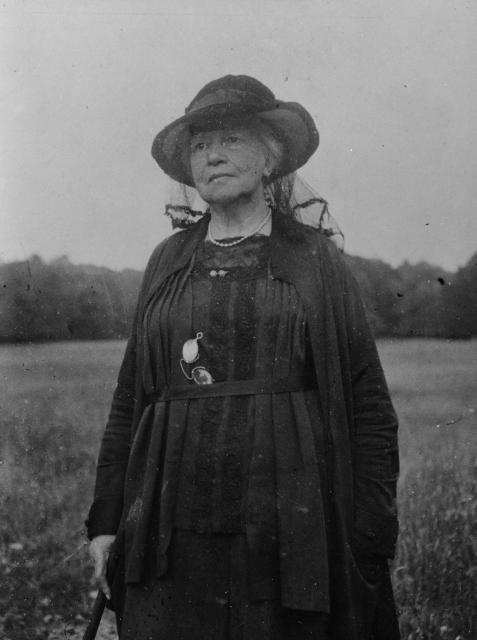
[287, 255]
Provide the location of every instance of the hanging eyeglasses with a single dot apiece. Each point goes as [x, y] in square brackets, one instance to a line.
[190, 354]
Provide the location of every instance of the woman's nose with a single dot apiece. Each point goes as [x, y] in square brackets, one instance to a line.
[215, 153]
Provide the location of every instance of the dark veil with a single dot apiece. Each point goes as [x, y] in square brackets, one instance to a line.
[291, 195]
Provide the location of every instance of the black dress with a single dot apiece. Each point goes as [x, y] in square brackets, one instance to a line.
[251, 327]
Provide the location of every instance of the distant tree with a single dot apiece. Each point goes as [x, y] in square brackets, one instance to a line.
[460, 302]
[61, 301]
[380, 287]
[27, 305]
[421, 305]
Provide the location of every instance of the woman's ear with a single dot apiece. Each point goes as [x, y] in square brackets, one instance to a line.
[267, 171]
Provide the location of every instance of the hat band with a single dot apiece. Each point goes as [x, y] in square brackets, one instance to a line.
[226, 97]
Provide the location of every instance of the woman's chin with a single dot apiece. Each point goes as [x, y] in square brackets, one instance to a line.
[220, 197]
[224, 196]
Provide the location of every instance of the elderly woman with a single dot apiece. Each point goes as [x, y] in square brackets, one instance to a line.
[246, 480]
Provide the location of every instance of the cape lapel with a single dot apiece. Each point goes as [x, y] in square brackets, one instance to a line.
[172, 255]
[295, 258]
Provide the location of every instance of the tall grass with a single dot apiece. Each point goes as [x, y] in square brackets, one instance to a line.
[434, 387]
[55, 400]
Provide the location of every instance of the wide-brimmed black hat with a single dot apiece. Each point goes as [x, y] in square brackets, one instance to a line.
[238, 98]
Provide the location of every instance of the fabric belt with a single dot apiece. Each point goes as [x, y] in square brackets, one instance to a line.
[233, 388]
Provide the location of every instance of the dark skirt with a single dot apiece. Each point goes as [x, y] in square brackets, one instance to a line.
[204, 596]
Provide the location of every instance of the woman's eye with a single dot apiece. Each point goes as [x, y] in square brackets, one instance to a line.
[199, 146]
[232, 139]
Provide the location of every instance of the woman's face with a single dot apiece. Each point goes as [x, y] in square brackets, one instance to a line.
[228, 164]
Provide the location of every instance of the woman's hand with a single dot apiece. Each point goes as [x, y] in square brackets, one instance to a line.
[99, 551]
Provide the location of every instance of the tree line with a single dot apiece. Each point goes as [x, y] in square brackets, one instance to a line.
[57, 300]
[419, 300]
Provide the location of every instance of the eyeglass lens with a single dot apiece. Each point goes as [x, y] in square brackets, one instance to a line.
[200, 375]
[190, 354]
[190, 349]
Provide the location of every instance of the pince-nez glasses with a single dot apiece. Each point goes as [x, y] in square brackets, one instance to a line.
[190, 354]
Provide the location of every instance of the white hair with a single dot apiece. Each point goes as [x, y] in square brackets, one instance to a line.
[273, 146]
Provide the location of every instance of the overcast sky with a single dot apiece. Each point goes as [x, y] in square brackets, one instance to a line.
[85, 86]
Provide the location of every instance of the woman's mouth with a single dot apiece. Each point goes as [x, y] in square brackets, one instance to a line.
[217, 176]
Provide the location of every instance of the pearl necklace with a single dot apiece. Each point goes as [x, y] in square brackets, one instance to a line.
[218, 243]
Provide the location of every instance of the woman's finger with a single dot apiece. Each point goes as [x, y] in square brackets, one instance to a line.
[100, 555]
[100, 561]
[103, 585]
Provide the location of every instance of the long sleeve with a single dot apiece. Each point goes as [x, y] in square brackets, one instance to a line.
[106, 509]
[105, 512]
[375, 447]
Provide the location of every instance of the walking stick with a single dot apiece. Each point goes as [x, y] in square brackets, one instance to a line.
[96, 614]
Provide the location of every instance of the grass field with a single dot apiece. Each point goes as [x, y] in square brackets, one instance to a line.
[54, 401]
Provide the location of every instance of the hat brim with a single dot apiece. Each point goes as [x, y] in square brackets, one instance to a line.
[290, 122]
